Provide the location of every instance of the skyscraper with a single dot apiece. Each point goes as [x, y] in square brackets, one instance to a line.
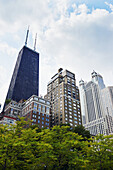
[94, 105]
[25, 79]
[63, 95]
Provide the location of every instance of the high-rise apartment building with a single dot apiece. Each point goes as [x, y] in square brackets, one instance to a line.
[25, 79]
[94, 106]
[63, 95]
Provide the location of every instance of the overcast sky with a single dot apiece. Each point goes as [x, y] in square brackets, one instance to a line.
[73, 34]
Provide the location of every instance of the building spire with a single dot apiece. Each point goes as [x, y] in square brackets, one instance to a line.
[27, 36]
[35, 42]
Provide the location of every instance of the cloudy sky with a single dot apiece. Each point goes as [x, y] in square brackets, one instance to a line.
[73, 34]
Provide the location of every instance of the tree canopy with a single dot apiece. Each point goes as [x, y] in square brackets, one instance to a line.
[56, 148]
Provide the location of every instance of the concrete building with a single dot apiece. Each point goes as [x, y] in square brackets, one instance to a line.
[63, 95]
[35, 108]
[94, 106]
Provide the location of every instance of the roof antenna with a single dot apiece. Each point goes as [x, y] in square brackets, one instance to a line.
[27, 36]
[35, 42]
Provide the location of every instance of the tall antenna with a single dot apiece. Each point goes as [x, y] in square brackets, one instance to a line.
[27, 36]
[35, 42]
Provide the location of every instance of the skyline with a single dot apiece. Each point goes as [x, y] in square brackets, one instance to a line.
[75, 35]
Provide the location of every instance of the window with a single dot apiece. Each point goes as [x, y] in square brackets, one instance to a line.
[47, 109]
[38, 117]
[70, 109]
[39, 107]
[34, 120]
[69, 102]
[43, 108]
[34, 111]
[42, 122]
[11, 110]
[42, 118]
[70, 113]
[35, 106]
[38, 121]
[34, 116]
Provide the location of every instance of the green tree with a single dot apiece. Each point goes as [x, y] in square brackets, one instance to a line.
[7, 101]
[52, 149]
[65, 144]
[21, 148]
[100, 154]
[82, 131]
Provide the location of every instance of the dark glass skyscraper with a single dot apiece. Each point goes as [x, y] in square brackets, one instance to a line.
[25, 79]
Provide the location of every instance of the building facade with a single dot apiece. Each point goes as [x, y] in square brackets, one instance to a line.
[25, 78]
[63, 95]
[35, 109]
[93, 106]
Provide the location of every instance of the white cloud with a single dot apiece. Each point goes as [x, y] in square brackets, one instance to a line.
[110, 5]
[69, 36]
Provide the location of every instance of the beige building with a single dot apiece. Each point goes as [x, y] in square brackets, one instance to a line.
[63, 95]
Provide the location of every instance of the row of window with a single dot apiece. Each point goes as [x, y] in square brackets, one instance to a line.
[39, 113]
[73, 122]
[34, 116]
[41, 108]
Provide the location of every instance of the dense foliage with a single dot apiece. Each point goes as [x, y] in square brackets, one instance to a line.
[57, 148]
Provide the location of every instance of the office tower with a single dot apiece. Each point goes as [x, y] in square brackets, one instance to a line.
[25, 79]
[63, 95]
[34, 108]
[93, 102]
[107, 96]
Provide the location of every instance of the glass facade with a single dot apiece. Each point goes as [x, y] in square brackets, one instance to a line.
[25, 79]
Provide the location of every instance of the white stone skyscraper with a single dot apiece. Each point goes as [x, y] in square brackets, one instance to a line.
[97, 114]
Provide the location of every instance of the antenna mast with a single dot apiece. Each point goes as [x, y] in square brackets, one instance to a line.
[35, 42]
[27, 36]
